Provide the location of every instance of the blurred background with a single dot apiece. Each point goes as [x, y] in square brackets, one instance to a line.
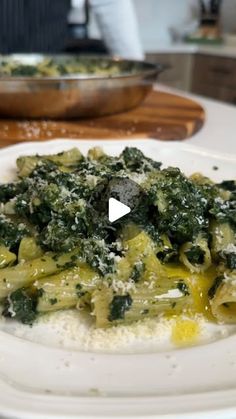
[157, 18]
[195, 38]
[198, 44]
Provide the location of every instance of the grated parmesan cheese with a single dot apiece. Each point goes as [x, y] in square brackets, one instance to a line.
[230, 248]
[123, 287]
[174, 293]
[73, 329]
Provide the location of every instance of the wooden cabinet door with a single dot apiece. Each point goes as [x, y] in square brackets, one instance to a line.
[180, 67]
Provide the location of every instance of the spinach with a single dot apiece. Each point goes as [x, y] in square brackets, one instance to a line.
[181, 205]
[195, 255]
[10, 190]
[21, 305]
[230, 260]
[138, 270]
[182, 287]
[228, 185]
[224, 211]
[136, 161]
[11, 233]
[24, 70]
[119, 305]
[53, 301]
[218, 281]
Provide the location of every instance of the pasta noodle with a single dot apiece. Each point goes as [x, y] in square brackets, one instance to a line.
[223, 302]
[196, 255]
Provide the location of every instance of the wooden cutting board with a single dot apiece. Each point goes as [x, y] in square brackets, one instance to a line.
[162, 115]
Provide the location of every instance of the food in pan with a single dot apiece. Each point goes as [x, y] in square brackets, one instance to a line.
[174, 254]
[54, 67]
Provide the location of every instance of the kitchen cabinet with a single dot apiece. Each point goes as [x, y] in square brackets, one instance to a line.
[214, 77]
[204, 74]
[180, 69]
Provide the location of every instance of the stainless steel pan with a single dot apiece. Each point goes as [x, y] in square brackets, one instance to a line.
[76, 95]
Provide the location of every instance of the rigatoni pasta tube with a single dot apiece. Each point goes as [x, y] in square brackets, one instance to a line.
[196, 255]
[223, 236]
[26, 164]
[6, 257]
[29, 249]
[66, 289]
[24, 274]
[163, 296]
[223, 303]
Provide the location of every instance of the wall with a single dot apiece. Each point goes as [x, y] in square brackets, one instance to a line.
[156, 17]
[229, 15]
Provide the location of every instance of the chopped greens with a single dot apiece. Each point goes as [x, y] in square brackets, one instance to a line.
[195, 255]
[119, 305]
[181, 206]
[212, 291]
[230, 260]
[137, 271]
[182, 287]
[11, 232]
[21, 306]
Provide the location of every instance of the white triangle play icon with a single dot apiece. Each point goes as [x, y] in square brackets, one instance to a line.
[116, 210]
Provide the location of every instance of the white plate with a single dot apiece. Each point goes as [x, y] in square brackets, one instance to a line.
[41, 381]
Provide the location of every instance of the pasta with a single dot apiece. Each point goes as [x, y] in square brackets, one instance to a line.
[174, 253]
[66, 289]
[6, 257]
[224, 299]
[64, 66]
[196, 255]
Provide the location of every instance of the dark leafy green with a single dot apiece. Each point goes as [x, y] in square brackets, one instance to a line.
[118, 307]
[195, 255]
[218, 281]
[11, 233]
[21, 305]
[183, 287]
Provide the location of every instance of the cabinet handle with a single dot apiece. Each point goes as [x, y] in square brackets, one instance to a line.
[221, 70]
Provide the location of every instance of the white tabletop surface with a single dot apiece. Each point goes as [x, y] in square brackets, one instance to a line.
[219, 131]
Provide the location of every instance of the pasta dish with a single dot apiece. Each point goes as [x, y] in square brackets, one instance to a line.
[174, 253]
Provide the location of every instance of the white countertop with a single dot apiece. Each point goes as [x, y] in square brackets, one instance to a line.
[219, 131]
[184, 48]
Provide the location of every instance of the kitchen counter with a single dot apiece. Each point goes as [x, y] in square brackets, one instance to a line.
[161, 115]
[219, 131]
[163, 112]
[185, 48]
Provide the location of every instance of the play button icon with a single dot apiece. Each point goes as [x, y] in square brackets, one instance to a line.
[116, 210]
[116, 202]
